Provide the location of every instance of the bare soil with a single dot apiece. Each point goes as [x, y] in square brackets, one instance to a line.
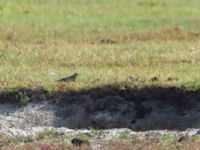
[139, 109]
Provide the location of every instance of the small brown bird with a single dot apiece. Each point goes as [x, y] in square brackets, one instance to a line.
[71, 78]
[182, 138]
[79, 142]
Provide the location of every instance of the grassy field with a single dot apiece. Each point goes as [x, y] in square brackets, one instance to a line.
[105, 41]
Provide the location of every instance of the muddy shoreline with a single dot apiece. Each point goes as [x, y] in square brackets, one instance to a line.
[144, 109]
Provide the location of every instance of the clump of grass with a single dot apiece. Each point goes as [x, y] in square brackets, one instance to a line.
[12, 89]
[48, 135]
[124, 135]
[95, 131]
[167, 138]
[85, 136]
[23, 99]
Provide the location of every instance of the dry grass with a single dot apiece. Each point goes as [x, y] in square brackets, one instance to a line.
[30, 64]
[148, 144]
[152, 144]
[41, 42]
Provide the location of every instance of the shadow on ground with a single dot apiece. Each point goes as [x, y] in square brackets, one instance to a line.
[148, 108]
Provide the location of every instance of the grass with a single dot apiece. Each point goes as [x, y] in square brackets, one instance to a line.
[106, 42]
[48, 134]
[55, 141]
[124, 135]
[42, 41]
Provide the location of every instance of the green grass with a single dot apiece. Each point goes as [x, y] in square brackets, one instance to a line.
[41, 41]
[48, 134]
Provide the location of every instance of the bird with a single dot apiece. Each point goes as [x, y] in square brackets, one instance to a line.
[79, 142]
[71, 78]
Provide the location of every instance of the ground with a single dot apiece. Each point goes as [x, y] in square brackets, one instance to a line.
[123, 140]
[126, 45]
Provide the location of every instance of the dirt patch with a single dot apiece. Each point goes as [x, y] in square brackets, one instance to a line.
[107, 41]
[174, 33]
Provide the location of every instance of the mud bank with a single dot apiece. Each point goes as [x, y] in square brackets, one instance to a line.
[151, 108]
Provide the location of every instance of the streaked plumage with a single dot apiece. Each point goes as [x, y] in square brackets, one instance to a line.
[71, 78]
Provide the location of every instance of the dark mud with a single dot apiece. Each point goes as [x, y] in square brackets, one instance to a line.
[149, 108]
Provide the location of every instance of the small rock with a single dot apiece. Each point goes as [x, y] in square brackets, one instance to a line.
[107, 41]
[172, 79]
[153, 79]
[133, 78]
